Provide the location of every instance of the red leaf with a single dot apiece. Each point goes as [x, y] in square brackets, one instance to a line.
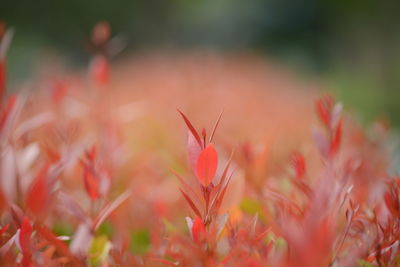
[3, 202]
[6, 111]
[4, 229]
[99, 70]
[207, 165]
[191, 128]
[198, 230]
[52, 155]
[91, 183]
[215, 127]
[59, 89]
[47, 234]
[25, 236]
[324, 106]
[299, 164]
[38, 194]
[194, 150]
[336, 139]
[2, 29]
[164, 261]
[101, 33]
[2, 79]
[91, 154]
[191, 204]
[391, 203]
[186, 186]
[109, 208]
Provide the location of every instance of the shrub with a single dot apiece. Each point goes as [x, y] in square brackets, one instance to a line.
[90, 178]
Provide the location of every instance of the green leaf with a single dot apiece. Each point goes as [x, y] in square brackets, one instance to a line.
[106, 228]
[140, 241]
[280, 243]
[63, 229]
[363, 263]
[169, 227]
[252, 207]
[99, 249]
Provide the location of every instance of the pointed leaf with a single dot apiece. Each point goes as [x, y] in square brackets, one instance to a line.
[191, 128]
[187, 187]
[107, 210]
[336, 138]
[3, 76]
[191, 204]
[50, 237]
[299, 164]
[194, 150]
[215, 127]
[91, 182]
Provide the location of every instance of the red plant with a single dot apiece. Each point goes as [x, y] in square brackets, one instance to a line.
[84, 175]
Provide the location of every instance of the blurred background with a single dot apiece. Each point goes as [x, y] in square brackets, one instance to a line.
[351, 47]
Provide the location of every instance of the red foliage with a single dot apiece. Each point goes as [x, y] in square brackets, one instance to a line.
[299, 164]
[207, 165]
[198, 230]
[38, 195]
[25, 242]
[70, 162]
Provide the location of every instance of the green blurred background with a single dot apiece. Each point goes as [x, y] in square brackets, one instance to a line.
[351, 46]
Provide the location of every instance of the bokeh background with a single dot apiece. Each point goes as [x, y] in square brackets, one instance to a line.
[351, 47]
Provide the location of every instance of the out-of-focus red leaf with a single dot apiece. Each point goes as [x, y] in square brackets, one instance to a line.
[164, 261]
[4, 229]
[101, 33]
[50, 237]
[73, 207]
[191, 204]
[299, 164]
[324, 106]
[198, 230]
[91, 153]
[25, 242]
[191, 128]
[59, 89]
[108, 209]
[321, 142]
[3, 202]
[392, 203]
[261, 235]
[7, 109]
[52, 155]
[91, 183]
[336, 139]
[2, 29]
[100, 70]
[38, 194]
[207, 164]
[2, 79]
